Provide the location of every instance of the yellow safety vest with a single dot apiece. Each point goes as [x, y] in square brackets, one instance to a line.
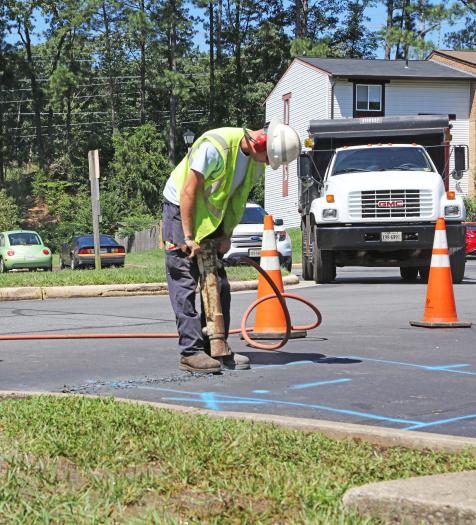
[215, 204]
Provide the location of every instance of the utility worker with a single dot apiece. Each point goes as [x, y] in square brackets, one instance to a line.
[205, 197]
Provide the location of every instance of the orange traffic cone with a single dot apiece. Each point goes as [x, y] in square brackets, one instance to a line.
[440, 309]
[270, 322]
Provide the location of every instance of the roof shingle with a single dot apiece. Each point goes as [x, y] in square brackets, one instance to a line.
[386, 69]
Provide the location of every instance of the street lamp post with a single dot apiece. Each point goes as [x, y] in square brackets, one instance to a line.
[188, 137]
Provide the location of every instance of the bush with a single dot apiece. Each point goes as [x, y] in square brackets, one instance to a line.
[470, 203]
[9, 212]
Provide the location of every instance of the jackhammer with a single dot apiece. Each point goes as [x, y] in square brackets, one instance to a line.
[207, 260]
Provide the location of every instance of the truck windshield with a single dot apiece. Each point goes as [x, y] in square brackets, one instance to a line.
[381, 159]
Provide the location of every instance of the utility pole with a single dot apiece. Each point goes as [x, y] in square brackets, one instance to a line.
[93, 157]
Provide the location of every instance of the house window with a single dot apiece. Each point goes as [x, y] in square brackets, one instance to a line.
[368, 97]
[286, 107]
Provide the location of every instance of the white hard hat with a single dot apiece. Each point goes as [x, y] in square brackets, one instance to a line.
[282, 145]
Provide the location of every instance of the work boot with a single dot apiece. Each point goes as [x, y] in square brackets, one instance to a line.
[235, 362]
[201, 363]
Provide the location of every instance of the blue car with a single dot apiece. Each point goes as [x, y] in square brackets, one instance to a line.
[79, 252]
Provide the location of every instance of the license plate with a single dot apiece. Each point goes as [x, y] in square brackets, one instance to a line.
[254, 253]
[103, 250]
[392, 236]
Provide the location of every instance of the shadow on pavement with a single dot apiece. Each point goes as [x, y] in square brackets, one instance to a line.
[284, 358]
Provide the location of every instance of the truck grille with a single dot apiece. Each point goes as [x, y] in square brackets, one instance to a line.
[376, 204]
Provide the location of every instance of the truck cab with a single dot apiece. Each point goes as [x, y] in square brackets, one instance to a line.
[373, 199]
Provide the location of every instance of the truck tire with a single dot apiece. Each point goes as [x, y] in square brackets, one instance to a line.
[409, 273]
[307, 266]
[458, 263]
[324, 267]
[424, 272]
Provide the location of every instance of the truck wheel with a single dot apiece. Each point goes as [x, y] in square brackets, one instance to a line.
[409, 273]
[307, 267]
[458, 263]
[324, 267]
[424, 272]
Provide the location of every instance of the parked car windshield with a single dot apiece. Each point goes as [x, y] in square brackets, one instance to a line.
[23, 239]
[381, 159]
[253, 215]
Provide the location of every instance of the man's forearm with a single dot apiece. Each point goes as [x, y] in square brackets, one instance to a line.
[187, 212]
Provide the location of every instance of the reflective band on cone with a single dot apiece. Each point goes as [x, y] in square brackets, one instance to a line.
[440, 308]
[270, 322]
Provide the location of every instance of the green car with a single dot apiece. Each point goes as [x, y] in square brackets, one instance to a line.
[23, 249]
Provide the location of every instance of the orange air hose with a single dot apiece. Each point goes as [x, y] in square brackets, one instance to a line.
[169, 335]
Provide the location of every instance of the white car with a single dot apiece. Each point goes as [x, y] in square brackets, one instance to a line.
[247, 237]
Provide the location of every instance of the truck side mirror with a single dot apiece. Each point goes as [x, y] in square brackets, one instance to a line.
[304, 171]
[278, 222]
[460, 162]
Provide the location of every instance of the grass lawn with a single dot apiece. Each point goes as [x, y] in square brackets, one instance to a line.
[83, 461]
[143, 267]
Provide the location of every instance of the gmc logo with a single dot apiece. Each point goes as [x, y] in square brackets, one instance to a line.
[390, 204]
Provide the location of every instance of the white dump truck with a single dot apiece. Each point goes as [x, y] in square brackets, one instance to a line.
[371, 190]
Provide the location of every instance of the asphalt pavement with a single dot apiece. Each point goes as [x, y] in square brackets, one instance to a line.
[365, 364]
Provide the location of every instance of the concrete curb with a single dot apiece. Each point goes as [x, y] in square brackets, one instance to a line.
[111, 290]
[383, 437]
[446, 499]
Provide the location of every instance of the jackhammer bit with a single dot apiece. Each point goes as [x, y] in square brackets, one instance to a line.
[209, 288]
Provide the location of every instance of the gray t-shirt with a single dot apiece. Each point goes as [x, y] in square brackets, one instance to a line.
[208, 162]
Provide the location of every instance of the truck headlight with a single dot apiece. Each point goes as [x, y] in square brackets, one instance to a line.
[329, 213]
[452, 211]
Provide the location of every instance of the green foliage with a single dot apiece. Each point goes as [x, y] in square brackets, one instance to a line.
[135, 222]
[139, 169]
[308, 47]
[69, 210]
[470, 203]
[9, 212]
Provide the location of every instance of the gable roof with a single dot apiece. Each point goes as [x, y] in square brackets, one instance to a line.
[467, 57]
[385, 69]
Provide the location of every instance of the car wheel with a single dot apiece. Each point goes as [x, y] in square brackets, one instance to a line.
[3, 268]
[409, 273]
[324, 267]
[307, 267]
[458, 264]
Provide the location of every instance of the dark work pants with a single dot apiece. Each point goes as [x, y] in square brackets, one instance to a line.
[182, 279]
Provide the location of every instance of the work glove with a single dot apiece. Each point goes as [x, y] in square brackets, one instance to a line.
[191, 248]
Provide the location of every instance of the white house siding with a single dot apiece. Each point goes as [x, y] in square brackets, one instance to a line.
[309, 100]
[442, 97]
[343, 99]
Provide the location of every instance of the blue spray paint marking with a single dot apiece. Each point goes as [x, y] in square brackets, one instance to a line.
[213, 404]
[442, 368]
[293, 363]
[260, 391]
[209, 400]
[319, 383]
[441, 422]
[219, 398]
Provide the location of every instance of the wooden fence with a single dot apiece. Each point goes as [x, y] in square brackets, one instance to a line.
[143, 240]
